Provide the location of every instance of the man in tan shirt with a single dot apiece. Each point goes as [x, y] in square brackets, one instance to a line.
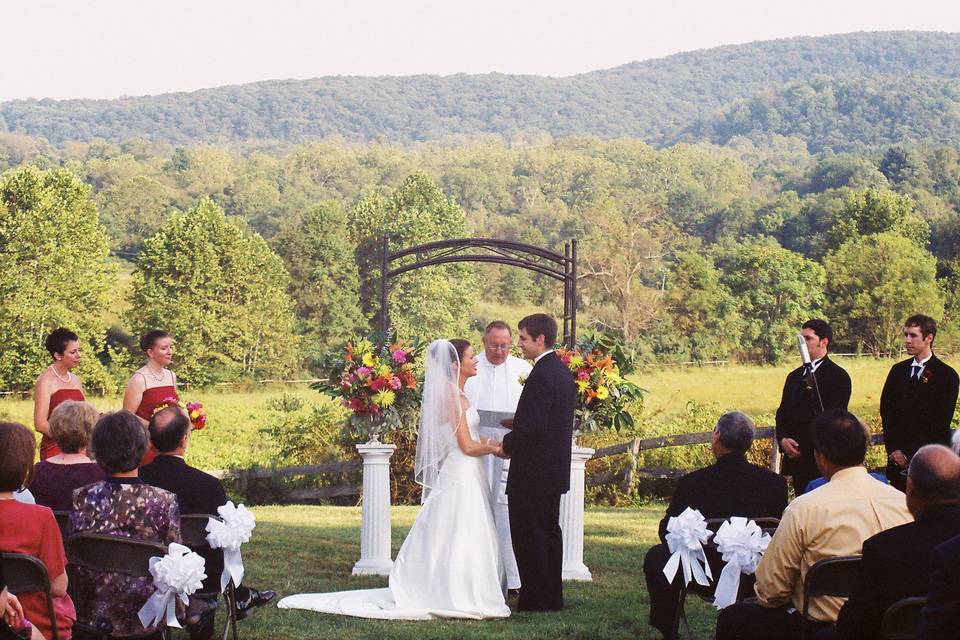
[830, 521]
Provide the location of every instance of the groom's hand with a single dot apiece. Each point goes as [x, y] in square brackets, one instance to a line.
[507, 423]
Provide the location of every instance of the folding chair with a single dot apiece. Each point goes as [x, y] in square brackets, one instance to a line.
[828, 577]
[63, 521]
[193, 529]
[26, 574]
[902, 620]
[112, 554]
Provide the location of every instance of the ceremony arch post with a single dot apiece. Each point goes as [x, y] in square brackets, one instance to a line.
[375, 523]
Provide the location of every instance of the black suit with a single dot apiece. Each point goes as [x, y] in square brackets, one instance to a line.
[729, 487]
[915, 413]
[197, 493]
[896, 565]
[799, 406]
[941, 615]
[539, 449]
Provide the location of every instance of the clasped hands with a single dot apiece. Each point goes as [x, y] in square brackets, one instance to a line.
[499, 452]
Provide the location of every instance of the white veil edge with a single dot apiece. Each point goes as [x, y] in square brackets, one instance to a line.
[440, 412]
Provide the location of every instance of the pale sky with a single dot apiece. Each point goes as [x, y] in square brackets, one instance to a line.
[108, 48]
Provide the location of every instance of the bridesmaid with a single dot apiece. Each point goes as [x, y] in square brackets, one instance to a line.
[152, 383]
[55, 385]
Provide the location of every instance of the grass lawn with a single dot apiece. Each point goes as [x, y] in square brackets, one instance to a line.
[298, 549]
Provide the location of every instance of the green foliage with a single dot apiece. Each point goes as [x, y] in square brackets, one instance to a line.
[776, 291]
[876, 282]
[324, 283]
[877, 211]
[220, 292]
[429, 302]
[54, 272]
[306, 434]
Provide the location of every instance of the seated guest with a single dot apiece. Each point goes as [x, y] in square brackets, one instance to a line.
[197, 492]
[121, 505]
[729, 487]
[896, 562]
[32, 530]
[832, 521]
[942, 611]
[55, 478]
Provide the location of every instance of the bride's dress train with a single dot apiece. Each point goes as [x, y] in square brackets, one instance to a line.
[449, 565]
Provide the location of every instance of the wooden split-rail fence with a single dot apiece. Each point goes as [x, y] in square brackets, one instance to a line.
[624, 477]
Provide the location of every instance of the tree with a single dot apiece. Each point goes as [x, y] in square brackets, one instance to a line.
[324, 281]
[54, 272]
[434, 301]
[877, 211]
[702, 312]
[622, 267]
[221, 292]
[776, 291]
[132, 210]
[874, 284]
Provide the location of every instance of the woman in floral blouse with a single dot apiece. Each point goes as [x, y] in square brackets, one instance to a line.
[122, 505]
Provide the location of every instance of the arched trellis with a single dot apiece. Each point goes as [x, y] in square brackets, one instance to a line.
[515, 254]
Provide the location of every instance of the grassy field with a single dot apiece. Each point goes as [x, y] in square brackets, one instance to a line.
[234, 437]
[312, 549]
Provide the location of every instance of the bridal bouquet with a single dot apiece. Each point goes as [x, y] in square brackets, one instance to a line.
[598, 366]
[376, 381]
[195, 411]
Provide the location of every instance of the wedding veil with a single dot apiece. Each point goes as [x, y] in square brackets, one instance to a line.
[440, 412]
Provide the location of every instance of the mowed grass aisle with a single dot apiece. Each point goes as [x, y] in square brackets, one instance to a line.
[298, 549]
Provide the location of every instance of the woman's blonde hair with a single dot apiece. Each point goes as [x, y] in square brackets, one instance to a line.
[71, 425]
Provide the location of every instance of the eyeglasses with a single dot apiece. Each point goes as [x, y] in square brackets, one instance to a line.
[501, 347]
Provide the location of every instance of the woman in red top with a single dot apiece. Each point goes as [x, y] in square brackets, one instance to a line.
[55, 385]
[152, 383]
[32, 529]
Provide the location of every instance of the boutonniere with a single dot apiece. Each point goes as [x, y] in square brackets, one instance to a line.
[926, 375]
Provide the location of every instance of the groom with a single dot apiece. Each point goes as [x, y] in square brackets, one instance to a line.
[539, 452]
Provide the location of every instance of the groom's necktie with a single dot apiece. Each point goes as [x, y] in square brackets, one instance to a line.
[915, 371]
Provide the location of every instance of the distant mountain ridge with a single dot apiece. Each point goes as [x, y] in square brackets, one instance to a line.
[710, 94]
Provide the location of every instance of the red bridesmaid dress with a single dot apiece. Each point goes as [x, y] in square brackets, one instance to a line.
[49, 448]
[152, 398]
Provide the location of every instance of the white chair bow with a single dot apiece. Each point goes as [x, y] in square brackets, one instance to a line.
[742, 544]
[686, 535]
[177, 574]
[235, 529]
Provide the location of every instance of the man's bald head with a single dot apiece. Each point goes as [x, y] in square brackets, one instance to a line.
[933, 477]
[168, 428]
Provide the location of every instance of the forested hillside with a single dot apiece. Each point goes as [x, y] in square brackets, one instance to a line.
[703, 95]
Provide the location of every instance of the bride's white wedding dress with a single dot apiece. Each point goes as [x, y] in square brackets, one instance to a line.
[449, 565]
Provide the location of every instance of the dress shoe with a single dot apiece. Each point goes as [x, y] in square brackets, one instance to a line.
[253, 600]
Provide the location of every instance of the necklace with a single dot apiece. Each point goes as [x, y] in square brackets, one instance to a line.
[158, 378]
[66, 380]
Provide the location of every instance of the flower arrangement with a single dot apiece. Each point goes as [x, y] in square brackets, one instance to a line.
[377, 381]
[598, 365]
[195, 411]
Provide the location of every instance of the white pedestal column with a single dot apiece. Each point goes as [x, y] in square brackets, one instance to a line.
[375, 513]
[571, 518]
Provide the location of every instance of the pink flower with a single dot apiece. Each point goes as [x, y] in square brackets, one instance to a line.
[399, 356]
[565, 359]
[363, 372]
[583, 374]
[395, 383]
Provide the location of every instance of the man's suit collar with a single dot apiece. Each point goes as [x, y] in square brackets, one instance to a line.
[166, 458]
[734, 457]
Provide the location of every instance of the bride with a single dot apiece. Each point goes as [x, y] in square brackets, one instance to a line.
[449, 565]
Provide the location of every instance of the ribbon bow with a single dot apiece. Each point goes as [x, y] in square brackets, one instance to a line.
[741, 543]
[177, 574]
[686, 535]
[229, 534]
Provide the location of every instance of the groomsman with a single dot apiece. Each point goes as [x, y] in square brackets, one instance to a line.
[494, 392]
[800, 403]
[918, 399]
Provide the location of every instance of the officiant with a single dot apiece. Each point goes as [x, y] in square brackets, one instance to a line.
[495, 391]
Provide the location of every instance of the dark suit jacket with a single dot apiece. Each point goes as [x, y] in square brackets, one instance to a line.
[197, 492]
[729, 487]
[941, 616]
[539, 444]
[799, 406]
[918, 413]
[896, 565]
